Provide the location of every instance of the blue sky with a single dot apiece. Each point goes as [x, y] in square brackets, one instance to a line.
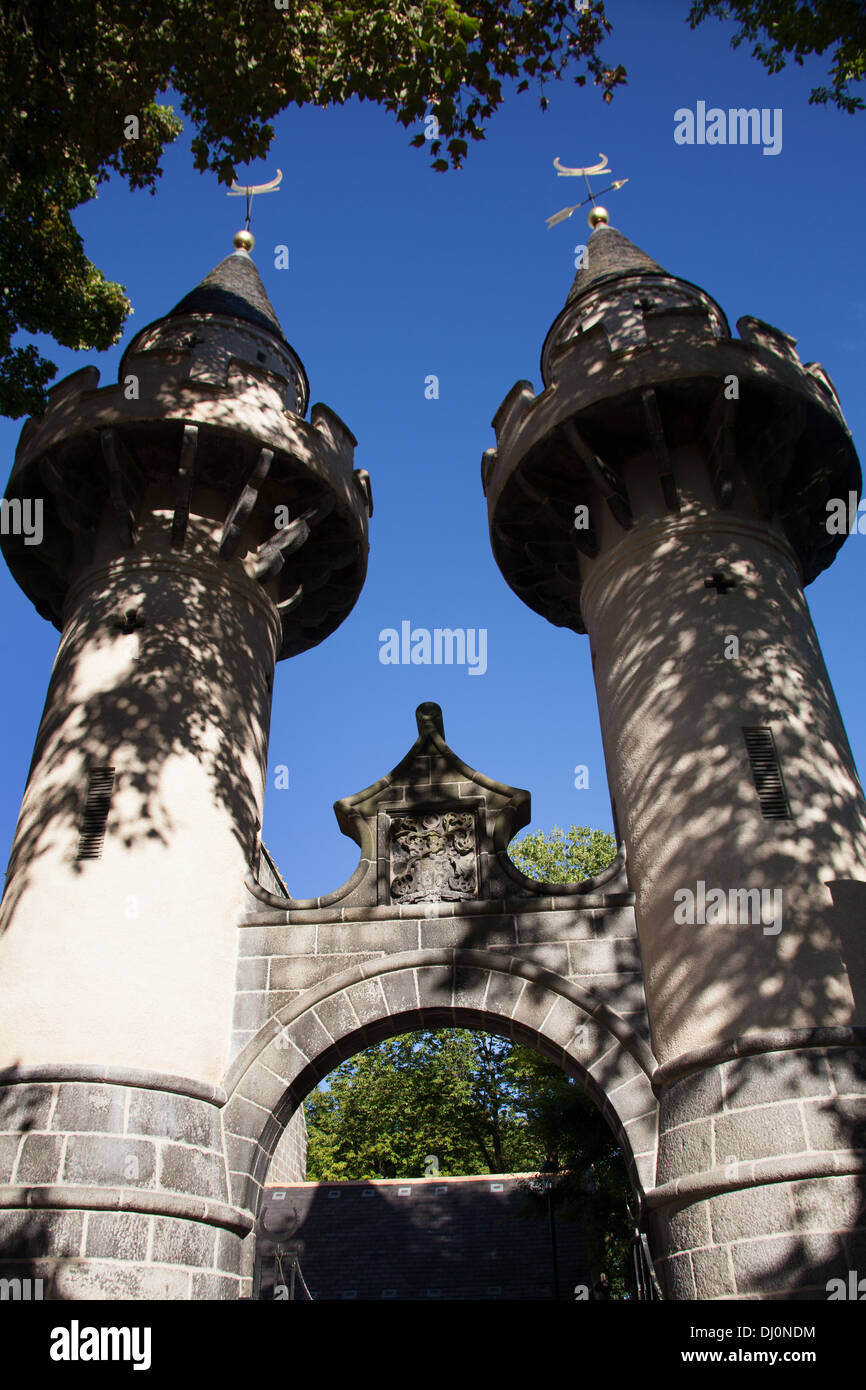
[397, 273]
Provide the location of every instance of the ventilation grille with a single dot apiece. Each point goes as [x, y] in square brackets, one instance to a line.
[767, 773]
[100, 785]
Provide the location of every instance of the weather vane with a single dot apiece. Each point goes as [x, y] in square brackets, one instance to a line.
[598, 215]
[244, 240]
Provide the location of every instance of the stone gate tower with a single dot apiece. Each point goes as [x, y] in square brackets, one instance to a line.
[667, 494]
[197, 529]
[165, 1005]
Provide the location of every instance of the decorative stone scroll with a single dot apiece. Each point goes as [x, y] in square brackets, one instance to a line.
[433, 858]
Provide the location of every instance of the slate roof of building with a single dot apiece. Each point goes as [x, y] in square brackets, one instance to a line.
[609, 254]
[411, 1239]
[235, 288]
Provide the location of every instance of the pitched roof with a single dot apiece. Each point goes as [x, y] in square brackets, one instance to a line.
[609, 254]
[234, 288]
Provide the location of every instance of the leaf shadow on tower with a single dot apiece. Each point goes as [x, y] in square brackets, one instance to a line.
[667, 493]
[27, 1241]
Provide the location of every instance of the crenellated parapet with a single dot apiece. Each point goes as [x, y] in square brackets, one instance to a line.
[670, 492]
[191, 526]
[641, 371]
[201, 450]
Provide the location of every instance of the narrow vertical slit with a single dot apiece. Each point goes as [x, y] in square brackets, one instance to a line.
[767, 773]
[94, 817]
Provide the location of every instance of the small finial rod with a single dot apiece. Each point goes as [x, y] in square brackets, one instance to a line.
[244, 240]
[598, 216]
[429, 718]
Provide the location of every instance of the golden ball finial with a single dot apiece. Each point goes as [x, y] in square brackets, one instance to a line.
[598, 217]
[244, 241]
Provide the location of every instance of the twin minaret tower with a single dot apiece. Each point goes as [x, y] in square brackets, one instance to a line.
[666, 494]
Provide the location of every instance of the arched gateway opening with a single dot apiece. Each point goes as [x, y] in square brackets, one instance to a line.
[436, 927]
[450, 988]
[446, 1163]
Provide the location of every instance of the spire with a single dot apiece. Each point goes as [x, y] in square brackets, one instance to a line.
[610, 254]
[617, 286]
[227, 320]
[233, 288]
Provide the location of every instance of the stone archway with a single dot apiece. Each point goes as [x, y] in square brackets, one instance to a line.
[411, 990]
[436, 927]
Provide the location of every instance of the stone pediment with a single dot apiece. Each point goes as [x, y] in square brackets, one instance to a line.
[433, 825]
[434, 830]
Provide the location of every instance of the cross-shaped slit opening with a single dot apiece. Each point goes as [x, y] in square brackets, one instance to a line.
[720, 582]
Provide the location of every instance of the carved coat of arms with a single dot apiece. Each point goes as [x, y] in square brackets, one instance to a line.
[433, 858]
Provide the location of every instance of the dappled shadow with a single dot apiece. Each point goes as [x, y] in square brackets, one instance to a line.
[343, 1022]
[691, 755]
[706, 513]
[182, 506]
[164, 675]
[29, 1241]
[444, 1236]
[673, 713]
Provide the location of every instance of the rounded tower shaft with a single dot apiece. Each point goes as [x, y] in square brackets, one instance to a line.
[196, 530]
[668, 494]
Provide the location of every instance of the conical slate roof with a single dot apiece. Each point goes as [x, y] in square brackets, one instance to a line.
[234, 288]
[609, 254]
